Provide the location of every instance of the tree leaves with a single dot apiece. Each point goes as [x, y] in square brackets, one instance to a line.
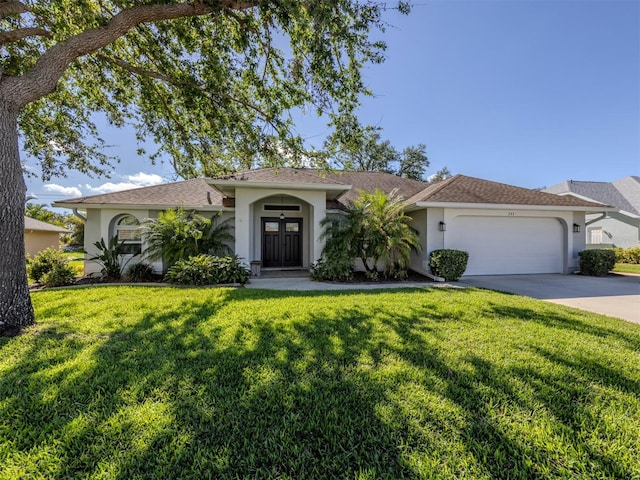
[214, 92]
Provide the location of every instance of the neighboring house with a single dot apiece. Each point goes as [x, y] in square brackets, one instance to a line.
[39, 235]
[608, 229]
[277, 215]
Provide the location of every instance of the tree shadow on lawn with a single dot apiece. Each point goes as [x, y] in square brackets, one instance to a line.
[356, 389]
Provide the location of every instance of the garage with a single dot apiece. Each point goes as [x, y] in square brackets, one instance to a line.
[508, 245]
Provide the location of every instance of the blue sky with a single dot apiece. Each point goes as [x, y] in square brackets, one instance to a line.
[522, 92]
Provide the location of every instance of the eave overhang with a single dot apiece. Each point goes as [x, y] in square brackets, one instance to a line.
[228, 187]
[502, 206]
[128, 206]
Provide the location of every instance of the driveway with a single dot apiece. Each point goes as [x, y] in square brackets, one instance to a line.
[616, 295]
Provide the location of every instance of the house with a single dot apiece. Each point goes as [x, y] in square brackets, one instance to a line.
[39, 235]
[277, 215]
[608, 229]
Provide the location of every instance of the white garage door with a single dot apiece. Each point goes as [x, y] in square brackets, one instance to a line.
[508, 245]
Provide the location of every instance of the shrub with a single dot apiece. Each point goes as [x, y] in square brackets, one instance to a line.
[597, 262]
[335, 269]
[627, 255]
[177, 235]
[448, 264]
[140, 272]
[59, 276]
[110, 258]
[208, 270]
[44, 262]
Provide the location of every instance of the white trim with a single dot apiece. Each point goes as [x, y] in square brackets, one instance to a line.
[500, 206]
[129, 206]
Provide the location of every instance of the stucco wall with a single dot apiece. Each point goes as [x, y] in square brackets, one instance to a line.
[618, 230]
[259, 213]
[100, 225]
[35, 241]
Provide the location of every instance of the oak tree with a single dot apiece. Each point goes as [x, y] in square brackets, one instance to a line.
[214, 83]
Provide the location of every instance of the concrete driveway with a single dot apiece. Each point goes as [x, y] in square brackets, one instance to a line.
[616, 295]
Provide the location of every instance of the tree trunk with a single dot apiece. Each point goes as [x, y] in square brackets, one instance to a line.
[16, 310]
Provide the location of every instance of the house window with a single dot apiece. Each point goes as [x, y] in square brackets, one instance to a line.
[282, 208]
[128, 230]
[595, 235]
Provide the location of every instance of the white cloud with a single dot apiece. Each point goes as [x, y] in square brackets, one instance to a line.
[145, 179]
[140, 179]
[67, 191]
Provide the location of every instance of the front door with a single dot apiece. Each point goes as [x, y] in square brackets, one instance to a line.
[281, 242]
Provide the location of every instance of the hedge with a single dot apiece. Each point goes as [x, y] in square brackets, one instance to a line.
[448, 264]
[597, 263]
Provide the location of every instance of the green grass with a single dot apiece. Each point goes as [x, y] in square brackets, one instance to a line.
[135, 382]
[76, 260]
[626, 268]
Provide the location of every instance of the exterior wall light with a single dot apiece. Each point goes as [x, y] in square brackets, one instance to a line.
[576, 228]
[282, 216]
[443, 227]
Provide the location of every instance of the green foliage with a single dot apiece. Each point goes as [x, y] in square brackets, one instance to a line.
[110, 258]
[213, 89]
[139, 382]
[41, 212]
[45, 262]
[375, 229]
[176, 235]
[629, 255]
[140, 272]
[448, 264]
[333, 268]
[76, 237]
[208, 270]
[354, 147]
[440, 175]
[60, 275]
[597, 263]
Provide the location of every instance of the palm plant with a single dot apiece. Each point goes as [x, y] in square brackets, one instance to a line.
[373, 228]
[177, 235]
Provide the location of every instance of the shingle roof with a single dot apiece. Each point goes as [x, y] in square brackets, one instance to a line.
[198, 193]
[623, 194]
[463, 189]
[282, 175]
[194, 193]
[33, 224]
[370, 181]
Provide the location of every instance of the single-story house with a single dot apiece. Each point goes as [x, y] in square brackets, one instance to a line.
[39, 235]
[277, 215]
[619, 228]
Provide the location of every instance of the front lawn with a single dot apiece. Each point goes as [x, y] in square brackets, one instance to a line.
[126, 382]
[626, 268]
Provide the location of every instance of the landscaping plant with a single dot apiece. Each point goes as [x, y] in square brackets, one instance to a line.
[51, 268]
[597, 263]
[208, 270]
[110, 258]
[140, 272]
[375, 229]
[448, 263]
[176, 235]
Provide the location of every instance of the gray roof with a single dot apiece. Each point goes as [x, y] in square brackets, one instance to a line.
[200, 194]
[463, 189]
[194, 193]
[31, 224]
[623, 194]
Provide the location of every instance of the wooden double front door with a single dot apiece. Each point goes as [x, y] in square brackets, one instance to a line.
[281, 242]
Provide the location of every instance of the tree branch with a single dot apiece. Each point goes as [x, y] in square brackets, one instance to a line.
[22, 33]
[43, 78]
[12, 8]
[172, 81]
